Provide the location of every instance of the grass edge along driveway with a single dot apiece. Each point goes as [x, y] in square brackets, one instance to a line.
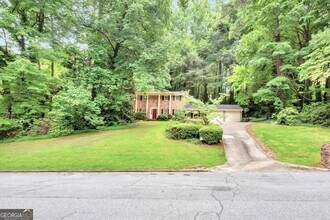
[293, 144]
[142, 147]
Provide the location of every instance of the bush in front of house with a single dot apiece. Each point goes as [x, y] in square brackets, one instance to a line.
[211, 134]
[194, 141]
[196, 121]
[179, 115]
[9, 128]
[316, 113]
[163, 117]
[183, 131]
[288, 116]
[140, 116]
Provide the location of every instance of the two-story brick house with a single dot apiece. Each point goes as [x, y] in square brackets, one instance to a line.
[155, 103]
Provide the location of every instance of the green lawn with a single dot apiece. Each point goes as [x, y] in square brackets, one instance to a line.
[294, 144]
[142, 147]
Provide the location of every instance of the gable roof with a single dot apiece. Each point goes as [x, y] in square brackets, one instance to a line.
[151, 92]
[229, 107]
[219, 107]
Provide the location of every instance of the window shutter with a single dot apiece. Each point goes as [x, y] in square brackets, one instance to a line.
[162, 98]
[162, 111]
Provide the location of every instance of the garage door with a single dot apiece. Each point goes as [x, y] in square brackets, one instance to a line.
[229, 116]
[233, 116]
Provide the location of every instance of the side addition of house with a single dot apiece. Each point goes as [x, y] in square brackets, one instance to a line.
[154, 103]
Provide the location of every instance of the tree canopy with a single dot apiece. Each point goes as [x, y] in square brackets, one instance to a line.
[78, 63]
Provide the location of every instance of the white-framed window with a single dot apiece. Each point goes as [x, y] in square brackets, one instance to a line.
[165, 97]
[142, 110]
[174, 111]
[165, 111]
[142, 97]
[177, 98]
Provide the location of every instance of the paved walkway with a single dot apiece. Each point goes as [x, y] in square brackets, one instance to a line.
[244, 154]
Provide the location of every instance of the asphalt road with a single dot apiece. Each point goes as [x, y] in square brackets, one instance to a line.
[169, 195]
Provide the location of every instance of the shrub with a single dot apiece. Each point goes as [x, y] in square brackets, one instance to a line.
[183, 131]
[60, 125]
[179, 115]
[288, 116]
[73, 109]
[196, 121]
[211, 134]
[316, 113]
[40, 126]
[9, 128]
[140, 116]
[163, 117]
[194, 141]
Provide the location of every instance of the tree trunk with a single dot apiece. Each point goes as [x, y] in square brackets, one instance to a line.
[220, 77]
[192, 91]
[9, 104]
[231, 98]
[278, 65]
[206, 98]
[278, 57]
[318, 93]
[52, 68]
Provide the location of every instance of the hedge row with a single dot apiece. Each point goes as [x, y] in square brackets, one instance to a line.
[210, 134]
[143, 116]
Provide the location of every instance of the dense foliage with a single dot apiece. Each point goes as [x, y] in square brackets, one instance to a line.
[183, 131]
[163, 117]
[211, 134]
[317, 113]
[140, 116]
[77, 64]
[9, 128]
[288, 116]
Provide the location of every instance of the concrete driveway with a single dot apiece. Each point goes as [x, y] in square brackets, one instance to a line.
[244, 154]
[205, 195]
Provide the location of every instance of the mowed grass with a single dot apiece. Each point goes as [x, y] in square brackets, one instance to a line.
[142, 147]
[294, 144]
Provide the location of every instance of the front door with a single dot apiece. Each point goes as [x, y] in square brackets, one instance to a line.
[154, 114]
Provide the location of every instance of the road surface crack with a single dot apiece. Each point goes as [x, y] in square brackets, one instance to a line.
[236, 190]
[140, 179]
[68, 215]
[220, 204]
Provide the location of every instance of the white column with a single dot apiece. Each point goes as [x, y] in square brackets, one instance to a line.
[158, 107]
[170, 107]
[136, 102]
[147, 109]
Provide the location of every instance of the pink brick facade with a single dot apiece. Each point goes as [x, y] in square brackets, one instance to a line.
[158, 103]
